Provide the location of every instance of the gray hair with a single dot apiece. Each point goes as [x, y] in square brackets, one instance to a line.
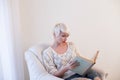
[60, 27]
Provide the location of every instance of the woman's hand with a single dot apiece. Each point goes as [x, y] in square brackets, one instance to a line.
[72, 64]
[69, 66]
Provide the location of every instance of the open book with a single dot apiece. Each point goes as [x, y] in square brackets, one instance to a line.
[85, 64]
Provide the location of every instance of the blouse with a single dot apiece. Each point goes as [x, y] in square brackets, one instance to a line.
[53, 61]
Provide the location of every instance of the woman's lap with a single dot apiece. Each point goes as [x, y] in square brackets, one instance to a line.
[73, 76]
[91, 75]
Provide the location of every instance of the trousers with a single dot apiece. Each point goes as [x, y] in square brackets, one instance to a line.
[91, 75]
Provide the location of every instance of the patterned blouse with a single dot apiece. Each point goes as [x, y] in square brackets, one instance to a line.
[53, 61]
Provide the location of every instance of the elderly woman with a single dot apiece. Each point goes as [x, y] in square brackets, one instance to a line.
[58, 58]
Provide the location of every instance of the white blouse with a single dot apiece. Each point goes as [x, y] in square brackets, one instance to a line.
[54, 61]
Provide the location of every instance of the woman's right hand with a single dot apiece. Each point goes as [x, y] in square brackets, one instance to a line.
[72, 64]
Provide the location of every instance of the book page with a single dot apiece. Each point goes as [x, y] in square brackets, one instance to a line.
[85, 64]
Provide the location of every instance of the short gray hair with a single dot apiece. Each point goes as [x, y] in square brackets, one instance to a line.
[60, 27]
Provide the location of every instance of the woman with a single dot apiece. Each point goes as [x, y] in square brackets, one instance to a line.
[58, 58]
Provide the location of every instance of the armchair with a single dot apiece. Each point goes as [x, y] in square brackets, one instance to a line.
[33, 58]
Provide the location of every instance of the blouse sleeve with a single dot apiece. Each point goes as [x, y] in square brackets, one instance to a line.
[48, 62]
[75, 49]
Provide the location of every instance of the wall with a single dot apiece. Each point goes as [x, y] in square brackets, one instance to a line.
[94, 25]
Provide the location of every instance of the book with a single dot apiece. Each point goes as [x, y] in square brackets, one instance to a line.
[85, 64]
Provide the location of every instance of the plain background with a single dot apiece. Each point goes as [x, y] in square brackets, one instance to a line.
[93, 25]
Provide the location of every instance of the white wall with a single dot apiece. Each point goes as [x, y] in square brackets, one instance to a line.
[94, 25]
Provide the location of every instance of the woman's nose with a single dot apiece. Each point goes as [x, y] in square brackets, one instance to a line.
[65, 38]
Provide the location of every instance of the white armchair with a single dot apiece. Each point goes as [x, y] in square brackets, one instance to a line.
[36, 70]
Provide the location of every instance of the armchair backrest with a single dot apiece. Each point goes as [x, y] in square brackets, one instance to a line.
[38, 49]
[33, 58]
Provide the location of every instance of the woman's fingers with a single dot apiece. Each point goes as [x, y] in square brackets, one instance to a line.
[74, 64]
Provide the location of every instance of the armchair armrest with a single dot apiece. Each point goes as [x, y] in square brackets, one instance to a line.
[36, 69]
[102, 73]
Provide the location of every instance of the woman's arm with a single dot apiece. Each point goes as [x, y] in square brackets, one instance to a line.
[61, 72]
[69, 66]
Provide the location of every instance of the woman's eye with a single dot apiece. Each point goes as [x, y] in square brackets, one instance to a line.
[64, 35]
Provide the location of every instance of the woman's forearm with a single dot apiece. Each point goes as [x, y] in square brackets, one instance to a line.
[61, 72]
[69, 66]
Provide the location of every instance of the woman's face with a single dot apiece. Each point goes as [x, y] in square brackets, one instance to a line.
[62, 38]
